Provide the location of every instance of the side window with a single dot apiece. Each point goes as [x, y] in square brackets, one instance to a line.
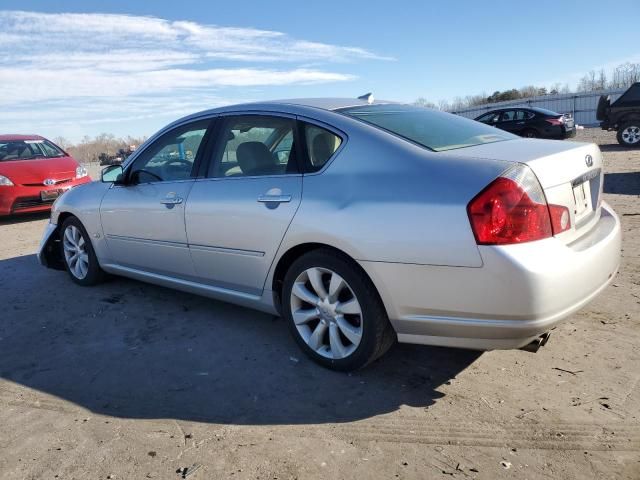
[172, 156]
[523, 115]
[488, 118]
[321, 145]
[255, 145]
[508, 116]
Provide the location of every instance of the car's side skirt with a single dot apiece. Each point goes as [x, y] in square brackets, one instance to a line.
[263, 302]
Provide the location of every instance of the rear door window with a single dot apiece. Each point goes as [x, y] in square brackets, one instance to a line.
[508, 116]
[255, 145]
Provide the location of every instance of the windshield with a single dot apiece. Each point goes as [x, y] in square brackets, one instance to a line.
[28, 150]
[435, 130]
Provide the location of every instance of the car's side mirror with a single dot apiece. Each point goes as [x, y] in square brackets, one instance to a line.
[112, 174]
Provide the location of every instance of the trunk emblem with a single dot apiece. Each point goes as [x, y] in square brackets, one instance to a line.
[588, 160]
[49, 182]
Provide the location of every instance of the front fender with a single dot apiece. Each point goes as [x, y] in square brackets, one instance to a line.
[82, 202]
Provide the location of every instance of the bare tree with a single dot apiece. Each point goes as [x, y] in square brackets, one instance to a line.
[423, 102]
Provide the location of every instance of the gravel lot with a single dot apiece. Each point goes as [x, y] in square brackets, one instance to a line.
[128, 380]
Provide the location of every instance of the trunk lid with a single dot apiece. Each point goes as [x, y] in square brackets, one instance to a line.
[570, 174]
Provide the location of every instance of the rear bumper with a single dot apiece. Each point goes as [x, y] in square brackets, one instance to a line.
[520, 291]
[26, 199]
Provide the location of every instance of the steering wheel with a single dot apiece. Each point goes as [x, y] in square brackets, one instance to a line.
[178, 166]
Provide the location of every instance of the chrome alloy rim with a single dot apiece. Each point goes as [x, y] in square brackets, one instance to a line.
[326, 313]
[631, 134]
[75, 252]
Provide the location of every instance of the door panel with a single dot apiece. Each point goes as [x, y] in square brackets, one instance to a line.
[144, 226]
[235, 226]
[143, 220]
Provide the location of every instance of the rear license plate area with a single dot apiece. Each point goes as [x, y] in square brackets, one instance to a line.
[582, 197]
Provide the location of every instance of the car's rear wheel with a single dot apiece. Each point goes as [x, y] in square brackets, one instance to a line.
[530, 133]
[629, 134]
[334, 311]
[79, 257]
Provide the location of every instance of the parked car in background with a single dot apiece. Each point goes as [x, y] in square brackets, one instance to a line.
[623, 116]
[122, 154]
[531, 122]
[413, 224]
[34, 172]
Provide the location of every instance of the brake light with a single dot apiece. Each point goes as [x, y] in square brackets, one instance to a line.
[555, 121]
[513, 209]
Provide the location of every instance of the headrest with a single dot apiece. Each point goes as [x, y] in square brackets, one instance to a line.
[322, 148]
[254, 157]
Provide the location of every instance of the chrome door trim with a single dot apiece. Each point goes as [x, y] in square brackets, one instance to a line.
[147, 241]
[232, 251]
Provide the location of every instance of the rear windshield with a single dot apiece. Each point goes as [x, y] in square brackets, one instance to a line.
[435, 130]
[544, 111]
[28, 150]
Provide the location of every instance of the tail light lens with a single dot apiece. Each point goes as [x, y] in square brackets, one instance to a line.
[513, 209]
[555, 121]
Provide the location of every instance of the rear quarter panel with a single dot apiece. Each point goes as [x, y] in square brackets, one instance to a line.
[384, 199]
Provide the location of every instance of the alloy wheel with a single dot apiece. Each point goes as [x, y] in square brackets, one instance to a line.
[631, 135]
[75, 252]
[326, 313]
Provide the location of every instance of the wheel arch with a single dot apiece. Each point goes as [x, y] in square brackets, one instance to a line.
[51, 250]
[295, 252]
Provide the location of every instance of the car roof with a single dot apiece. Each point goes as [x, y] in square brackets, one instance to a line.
[14, 137]
[328, 104]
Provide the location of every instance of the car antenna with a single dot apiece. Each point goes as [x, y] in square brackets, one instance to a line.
[368, 97]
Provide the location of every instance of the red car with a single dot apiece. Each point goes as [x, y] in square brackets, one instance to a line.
[34, 172]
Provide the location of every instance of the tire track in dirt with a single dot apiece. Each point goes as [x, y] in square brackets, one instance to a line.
[540, 436]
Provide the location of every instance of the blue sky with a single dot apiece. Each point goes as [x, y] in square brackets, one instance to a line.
[129, 67]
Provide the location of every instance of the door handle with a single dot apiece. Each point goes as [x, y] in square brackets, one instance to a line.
[171, 201]
[274, 198]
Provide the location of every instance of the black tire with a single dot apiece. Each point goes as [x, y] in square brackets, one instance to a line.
[94, 274]
[530, 133]
[377, 333]
[635, 124]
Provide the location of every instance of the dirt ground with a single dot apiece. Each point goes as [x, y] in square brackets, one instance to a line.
[128, 380]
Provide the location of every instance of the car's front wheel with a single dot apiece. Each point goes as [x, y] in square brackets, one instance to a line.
[629, 134]
[79, 257]
[334, 311]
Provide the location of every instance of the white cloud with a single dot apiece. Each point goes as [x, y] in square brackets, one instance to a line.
[123, 62]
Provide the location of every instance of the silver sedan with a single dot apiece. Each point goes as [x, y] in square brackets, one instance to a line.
[360, 222]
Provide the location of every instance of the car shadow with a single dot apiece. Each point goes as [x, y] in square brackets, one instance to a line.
[626, 183]
[133, 350]
[615, 147]
[24, 218]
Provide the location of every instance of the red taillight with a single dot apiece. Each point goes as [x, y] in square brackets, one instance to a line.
[555, 121]
[513, 209]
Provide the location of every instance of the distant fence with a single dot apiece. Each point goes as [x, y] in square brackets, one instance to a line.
[582, 106]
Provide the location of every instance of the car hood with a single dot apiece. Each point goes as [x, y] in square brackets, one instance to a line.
[37, 170]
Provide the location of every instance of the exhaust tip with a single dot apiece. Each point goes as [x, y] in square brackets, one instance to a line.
[536, 344]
